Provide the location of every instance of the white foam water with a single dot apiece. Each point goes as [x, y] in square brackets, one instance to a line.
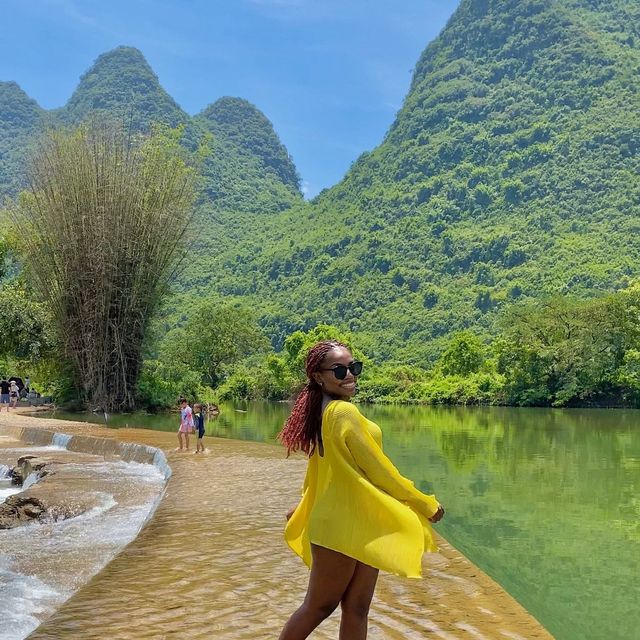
[61, 440]
[32, 585]
[6, 491]
[160, 461]
[30, 480]
[5, 471]
[25, 600]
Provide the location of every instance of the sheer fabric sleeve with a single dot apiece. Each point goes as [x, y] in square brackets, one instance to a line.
[376, 466]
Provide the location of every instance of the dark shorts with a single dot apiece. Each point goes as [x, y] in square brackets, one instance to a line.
[4, 398]
[200, 433]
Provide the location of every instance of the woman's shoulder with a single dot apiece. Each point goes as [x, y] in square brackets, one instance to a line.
[342, 409]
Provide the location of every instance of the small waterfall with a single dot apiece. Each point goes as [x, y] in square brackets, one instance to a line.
[160, 461]
[61, 440]
[5, 471]
[30, 480]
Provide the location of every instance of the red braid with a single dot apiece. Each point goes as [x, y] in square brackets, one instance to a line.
[303, 428]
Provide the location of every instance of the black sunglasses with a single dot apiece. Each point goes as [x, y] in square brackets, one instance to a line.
[340, 370]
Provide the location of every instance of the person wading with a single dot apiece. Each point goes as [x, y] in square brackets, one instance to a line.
[358, 514]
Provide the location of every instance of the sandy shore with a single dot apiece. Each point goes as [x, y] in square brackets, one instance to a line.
[212, 562]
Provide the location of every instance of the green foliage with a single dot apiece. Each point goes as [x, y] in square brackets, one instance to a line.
[26, 331]
[463, 356]
[564, 351]
[559, 352]
[20, 118]
[100, 234]
[278, 376]
[162, 383]
[213, 338]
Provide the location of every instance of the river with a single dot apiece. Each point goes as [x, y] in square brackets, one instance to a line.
[546, 501]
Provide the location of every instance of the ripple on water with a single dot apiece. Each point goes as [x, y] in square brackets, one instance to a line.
[213, 564]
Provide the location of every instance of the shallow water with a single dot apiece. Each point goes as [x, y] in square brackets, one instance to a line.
[212, 564]
[545, 501]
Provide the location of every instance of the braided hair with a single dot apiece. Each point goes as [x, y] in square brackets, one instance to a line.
[303, 428]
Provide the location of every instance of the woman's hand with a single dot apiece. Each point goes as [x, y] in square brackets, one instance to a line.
[290, 512]
[438, 515]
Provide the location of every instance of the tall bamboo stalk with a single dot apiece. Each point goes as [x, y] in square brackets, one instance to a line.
[102, 226]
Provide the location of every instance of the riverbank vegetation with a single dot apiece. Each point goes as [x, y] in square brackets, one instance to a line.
[557, 352]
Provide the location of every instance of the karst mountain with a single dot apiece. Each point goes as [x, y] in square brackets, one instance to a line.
[510, 173]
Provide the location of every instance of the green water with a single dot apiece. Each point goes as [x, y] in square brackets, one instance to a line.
[545, 501]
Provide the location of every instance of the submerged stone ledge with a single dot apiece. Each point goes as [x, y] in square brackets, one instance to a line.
[212, 562]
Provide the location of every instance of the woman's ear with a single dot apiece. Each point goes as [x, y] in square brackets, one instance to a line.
[318, 378]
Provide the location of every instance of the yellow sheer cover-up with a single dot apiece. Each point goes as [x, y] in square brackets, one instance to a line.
[356, 502]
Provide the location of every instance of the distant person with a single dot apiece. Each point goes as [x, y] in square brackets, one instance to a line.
[14, 393]
[186, 424]
[4, 393]
[198, 420]
[27, 384]
[357, 514]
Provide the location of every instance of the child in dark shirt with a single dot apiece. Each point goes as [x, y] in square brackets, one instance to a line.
[198, 423]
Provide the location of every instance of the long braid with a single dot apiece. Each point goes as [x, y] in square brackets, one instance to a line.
[303, 428]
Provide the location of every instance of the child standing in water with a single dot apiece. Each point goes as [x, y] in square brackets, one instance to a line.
[198, 419]
[186, 424]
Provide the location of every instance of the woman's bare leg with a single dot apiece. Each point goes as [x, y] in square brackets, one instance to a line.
[356, 601]
[180, 440]
[331, 573]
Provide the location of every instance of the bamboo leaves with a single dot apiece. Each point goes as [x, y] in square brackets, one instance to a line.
[102, 229]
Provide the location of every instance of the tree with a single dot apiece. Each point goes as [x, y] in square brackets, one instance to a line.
[25, 327]
[463, 356]
[101, 227]
[213, 338]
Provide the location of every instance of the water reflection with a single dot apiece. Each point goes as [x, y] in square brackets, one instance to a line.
[545, 501]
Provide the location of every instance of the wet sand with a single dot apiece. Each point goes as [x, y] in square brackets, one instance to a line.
[212, 562]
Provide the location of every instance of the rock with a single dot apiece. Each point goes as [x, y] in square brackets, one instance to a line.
[17, 510]
[19, 473]
[25, 466]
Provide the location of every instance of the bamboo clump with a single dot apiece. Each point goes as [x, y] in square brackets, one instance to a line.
[102, 228]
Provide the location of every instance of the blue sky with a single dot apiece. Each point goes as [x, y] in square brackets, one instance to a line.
[329, 74]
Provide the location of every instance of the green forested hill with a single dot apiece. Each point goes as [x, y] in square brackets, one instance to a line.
[511, 172]
[248, 169]
[20, 117]
[122, 84]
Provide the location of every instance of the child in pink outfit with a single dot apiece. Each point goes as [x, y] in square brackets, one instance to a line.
[186, 424]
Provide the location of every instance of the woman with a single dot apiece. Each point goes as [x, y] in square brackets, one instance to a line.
[357, 514]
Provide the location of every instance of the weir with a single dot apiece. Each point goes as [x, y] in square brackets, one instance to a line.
[105, 447]
[99, 494]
